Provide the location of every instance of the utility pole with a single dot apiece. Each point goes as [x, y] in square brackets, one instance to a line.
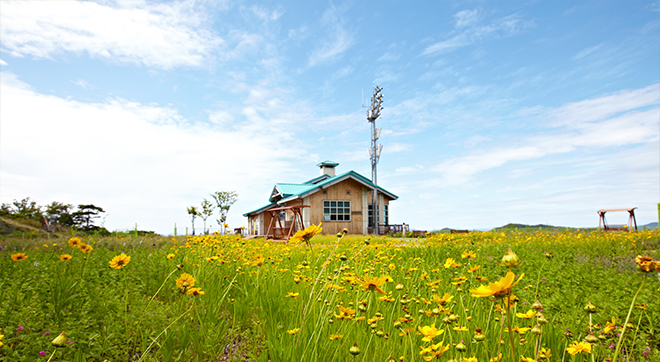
[374, 151]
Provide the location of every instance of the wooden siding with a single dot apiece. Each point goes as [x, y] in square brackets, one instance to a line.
[338, 192]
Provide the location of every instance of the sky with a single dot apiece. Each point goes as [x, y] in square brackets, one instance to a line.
[494, 112]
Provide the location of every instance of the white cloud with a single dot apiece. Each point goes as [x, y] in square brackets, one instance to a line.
[139, 162]
[466, 17]
[83, 84]
[338, 41]
[2, 62]
[615, 120]
[467, 32]
[164, 35]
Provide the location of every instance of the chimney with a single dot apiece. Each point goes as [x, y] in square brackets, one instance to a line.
[328, 168]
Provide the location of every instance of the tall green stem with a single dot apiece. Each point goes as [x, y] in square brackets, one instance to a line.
[625, 324]
[508, 318]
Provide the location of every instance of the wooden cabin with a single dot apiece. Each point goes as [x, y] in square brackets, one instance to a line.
[338, 201]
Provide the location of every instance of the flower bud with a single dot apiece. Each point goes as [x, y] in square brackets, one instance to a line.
[397, 324]
[59, 341]
[590, 308]
[354, 350]
[461, 347]
[537, 306]
[399, 286]
[540, 318]
[339, 235]
[380, 333]
[343, 257]
[510, 259]
[537, 330]
[478, 336]
[591, 338]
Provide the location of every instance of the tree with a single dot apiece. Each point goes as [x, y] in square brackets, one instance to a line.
[85, 216]
[26, 209]
[223, 201]
[192, 211]
[207, 210]
[60, 213]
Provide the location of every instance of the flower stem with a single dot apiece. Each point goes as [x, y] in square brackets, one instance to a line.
[508, 318]
[51, 356]
[620, 342]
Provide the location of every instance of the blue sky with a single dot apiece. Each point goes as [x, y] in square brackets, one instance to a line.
[494, 112]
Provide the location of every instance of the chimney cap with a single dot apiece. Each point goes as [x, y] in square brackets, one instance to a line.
[327, 164]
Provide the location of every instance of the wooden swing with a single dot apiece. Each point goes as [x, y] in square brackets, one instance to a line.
[602, 223]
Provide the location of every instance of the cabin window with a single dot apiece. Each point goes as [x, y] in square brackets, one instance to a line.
[386, 215]
[336, 211]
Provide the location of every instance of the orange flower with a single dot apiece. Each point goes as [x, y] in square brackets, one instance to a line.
[18, 257]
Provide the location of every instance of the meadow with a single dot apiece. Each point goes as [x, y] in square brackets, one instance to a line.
[482, 296]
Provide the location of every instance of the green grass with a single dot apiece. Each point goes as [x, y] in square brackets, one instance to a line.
[138, 312]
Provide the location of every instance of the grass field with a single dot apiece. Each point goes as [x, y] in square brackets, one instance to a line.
[347, 298]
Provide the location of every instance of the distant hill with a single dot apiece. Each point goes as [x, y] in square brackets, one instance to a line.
[513, 226]
[651, 226]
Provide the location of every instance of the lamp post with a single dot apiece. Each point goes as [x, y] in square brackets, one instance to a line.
[374, 151]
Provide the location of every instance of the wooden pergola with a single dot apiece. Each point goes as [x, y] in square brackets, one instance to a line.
[284, 232]
[602, 223]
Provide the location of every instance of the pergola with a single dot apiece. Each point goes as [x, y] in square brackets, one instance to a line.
[284, 232]
[602, 223]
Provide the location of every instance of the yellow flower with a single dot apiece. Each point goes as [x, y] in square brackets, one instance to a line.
[496, 359]
[518, 330]
[545, 353]
[292, 295]
[469, 359]
[644, 263]
[460, 329]
[119, 261]
[74, 242]
[306, 234]
[529, 315]
[578, 347]
[170, 256]
[195, 291]
[335, 336]
[474, 268]
[85, 248]
[258, 260]
[18, 257]
[372, 284]
[527, 359]
[65, 257]
[468, 254]
[610, 326]
[185, 281]
[429, 332]
[293, 331]
[499, 288]
[451, 263]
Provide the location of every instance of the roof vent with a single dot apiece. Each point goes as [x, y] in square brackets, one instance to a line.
[328, 168]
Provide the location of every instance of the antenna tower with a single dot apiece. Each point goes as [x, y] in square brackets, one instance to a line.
[374, 151]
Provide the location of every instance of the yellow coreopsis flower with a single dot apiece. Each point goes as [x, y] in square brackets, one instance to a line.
[306, 234]
[529, 315]
[499, 288]
[293, 331]
[474, 268]
[18, 257]
[170, 256]
[496, 359]
[195, 291]
[119, 261]
[292, 295]
[430, 332]
[644, 263]
[578, 347]
[74, 242]
[85, 248]
[469, 359]
[468, 254]
[373, 284]
[610, 326]
[185, 281]
[527, 359]
[65, 257]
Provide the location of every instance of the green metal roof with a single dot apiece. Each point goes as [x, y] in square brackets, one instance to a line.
[327, 163]
[289, 191]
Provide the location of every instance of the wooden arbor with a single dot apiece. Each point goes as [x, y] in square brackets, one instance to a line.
[602, 223]
[284, 231]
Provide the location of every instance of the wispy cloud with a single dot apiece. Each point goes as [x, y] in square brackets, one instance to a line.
[338, 39]
[153, 139]
[587, 51]
[468, 31]
[166, 36]
[624, 118]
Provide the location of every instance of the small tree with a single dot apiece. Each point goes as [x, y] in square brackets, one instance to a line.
[192, 211]
[85, 216]
[27, 209]
[60, 213]
[223, 201]
[206, 212]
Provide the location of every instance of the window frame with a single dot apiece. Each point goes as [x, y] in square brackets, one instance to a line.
[331, 210]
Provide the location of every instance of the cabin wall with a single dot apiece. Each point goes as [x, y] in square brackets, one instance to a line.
[347, 190]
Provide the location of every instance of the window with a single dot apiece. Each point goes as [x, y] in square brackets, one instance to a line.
[336, 211]
[386, 215]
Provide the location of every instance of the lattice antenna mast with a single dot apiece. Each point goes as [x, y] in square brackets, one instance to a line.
[374, 151]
